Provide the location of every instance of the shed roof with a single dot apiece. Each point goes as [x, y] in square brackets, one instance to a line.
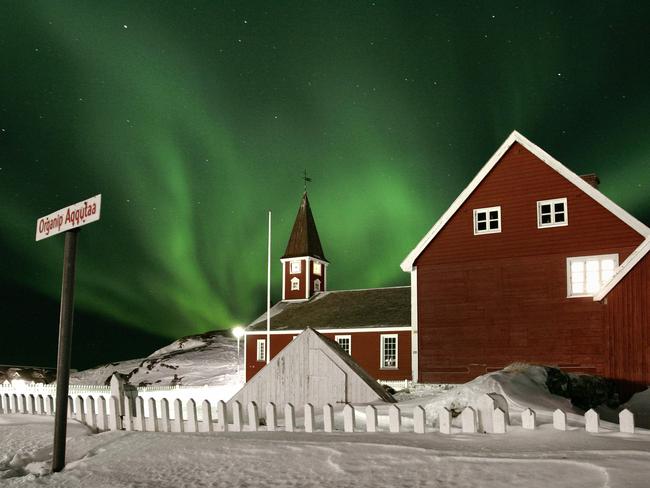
[304, 240]
[375, 307]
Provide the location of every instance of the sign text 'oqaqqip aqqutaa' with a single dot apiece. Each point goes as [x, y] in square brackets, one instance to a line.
[71, 217]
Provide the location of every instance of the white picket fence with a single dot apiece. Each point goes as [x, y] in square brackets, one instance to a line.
[101, 415]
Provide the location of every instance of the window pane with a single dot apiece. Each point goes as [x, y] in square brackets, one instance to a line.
[559, 217]
[481, 226]
[546, 219]
[592, 266]
[559, 207]
[577, 288]
[494, 224]
[607, 264]
[607, 275]
[577, 267]
[593, 281]
[481, 216]
[546, 208]
[494, 214]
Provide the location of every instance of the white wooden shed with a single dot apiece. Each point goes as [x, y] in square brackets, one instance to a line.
[311, 369]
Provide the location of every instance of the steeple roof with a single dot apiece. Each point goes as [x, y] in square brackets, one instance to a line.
[304, 240]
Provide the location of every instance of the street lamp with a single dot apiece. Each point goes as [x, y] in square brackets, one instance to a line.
[238, 332]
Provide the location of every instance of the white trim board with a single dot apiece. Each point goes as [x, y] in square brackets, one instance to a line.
[515, 136]
[330, 331]
[632, 260]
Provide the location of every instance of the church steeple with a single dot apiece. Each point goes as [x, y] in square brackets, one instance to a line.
[303, 263]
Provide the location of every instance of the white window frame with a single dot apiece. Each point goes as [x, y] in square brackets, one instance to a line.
[261, 350]
[584, 259]
[295, 284]
[382, 359]
[295, 266]
[318, 268]
[338, 338]
[317, 286]
[552, 203]
[487, 211]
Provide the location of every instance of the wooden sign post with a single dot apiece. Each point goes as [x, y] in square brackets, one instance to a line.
[67, 220]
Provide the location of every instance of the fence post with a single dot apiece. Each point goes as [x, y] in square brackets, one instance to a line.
[419, 420]
[528, 419]
[498, 421]
[80, 415]
[192, 423]
[394, 418]
[444, 420]
[153, 415]
[206, 416]
[626, 421]
[40, 405]
[328, 418]
[31, 404]
[90, 414]
[114, 414]
[468, 420]
[289, 418]
[236, 416]
[371, 418]
[165, 418]
[559, 420]
[178, 424]
[253, 417]
[49, 405]
[309, 417]
[271, 417]
[222, 416]
[140, 421]
[592, 419]
[348, 418]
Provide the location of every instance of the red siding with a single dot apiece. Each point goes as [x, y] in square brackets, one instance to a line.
[366, 350]
[297, 294]
[487, 300]
[627, 313]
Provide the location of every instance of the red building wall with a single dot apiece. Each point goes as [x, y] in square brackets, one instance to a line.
[296, 294]
[627, 315]
[366, 350]
[485, 301]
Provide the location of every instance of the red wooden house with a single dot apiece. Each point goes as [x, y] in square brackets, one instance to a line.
[531, 263]
[373, 326]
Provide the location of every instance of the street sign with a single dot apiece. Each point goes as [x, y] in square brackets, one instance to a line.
[69, 218]
[66, 220]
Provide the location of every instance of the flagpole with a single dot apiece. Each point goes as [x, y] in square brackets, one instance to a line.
[268, 298]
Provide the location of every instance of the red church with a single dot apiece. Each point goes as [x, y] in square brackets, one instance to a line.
[530, 263]
[372, 325]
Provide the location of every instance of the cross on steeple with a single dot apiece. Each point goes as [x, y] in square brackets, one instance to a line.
[307, 179]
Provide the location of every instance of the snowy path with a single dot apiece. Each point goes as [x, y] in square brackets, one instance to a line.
[115, 459]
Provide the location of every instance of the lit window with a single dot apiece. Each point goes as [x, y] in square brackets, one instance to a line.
[487, 220]
[295, 284]
[389, 351]
[552, 213]
[295, 267]
[586, 275]
[345, 341]
[261, 349]
[317, 285]
[318, 268]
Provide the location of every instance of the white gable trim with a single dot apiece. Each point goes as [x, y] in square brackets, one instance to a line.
[631, 261]
[637, 225]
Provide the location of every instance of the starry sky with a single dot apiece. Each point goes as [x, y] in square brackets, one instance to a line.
[193, 118]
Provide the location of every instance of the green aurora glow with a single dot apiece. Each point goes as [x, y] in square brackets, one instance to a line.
[194, 118]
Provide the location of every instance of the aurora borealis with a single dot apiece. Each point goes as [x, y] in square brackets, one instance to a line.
[194, 118]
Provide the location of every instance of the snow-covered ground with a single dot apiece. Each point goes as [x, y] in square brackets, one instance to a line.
[520, 458]
[206, 359]
[541, 458]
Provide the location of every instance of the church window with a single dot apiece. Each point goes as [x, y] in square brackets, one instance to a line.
[295, 267]
[295, 284]
[345, 341]
[388, 351]
[318, 268]
[316, 285]
[261, 349]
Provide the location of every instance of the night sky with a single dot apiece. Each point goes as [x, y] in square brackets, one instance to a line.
[192, 119]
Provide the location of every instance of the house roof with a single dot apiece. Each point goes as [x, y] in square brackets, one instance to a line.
[637, 225]
[304, 240]
[632, 260]
[376, 307]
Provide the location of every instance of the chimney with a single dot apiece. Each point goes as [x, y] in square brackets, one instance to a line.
[592, 179]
